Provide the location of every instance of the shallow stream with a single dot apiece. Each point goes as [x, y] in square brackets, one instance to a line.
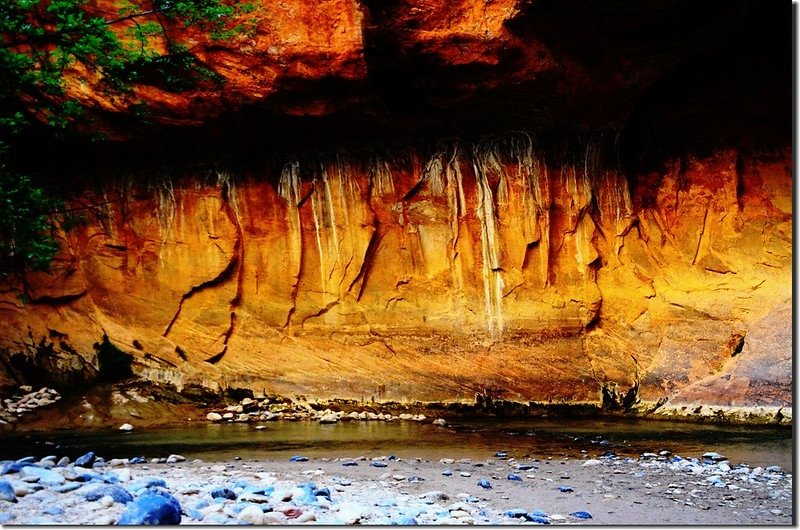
[467, 438]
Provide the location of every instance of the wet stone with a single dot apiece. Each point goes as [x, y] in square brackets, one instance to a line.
[152, 508]
[85, 460]
[7, 492]
[223, 493]
[116, 493]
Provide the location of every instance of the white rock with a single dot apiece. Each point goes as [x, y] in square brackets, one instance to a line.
[105, 520]
[213, 416]
[434, 496]
[440, 422]
[351, 513]
[329, 418]
[306, 517]
[465, 474]
[117, 462]
[252, 514]
[446, 461]
[107, 501]
[592, 462]
[227, 416]
[174, 459]
[26, 388]
[126, 427]
[212, 508]
[20, 489]
[274, 518]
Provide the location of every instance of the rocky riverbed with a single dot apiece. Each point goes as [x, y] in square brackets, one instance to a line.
[383, 489]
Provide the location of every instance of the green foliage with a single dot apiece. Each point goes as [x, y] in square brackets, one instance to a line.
[39, 41]
[26, 230]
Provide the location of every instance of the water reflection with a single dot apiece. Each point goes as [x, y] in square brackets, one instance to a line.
[478, 438]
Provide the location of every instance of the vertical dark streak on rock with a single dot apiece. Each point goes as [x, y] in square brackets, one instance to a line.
[238, 260]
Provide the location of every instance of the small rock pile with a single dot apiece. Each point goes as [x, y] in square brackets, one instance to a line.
[252, 410]
[26, 400]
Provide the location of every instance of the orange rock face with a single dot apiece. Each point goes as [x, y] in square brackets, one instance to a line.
[485, 268]
[481, 269]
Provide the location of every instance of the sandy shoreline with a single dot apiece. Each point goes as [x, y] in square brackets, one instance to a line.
[653, 489]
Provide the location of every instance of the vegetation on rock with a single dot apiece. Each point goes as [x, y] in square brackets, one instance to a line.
[43, 43]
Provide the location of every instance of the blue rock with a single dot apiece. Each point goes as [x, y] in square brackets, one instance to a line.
[46, 477]
[473, 499]
[7, 492]
[199, 505]
[223, 493]
[236, 508]
[391, 457]
[341, 481]
[323, 492]
[152, 508]
[53, 509]
[405, 520]
[378, 463]
[536, 519]
[89, 477]
[517, 512]
[6, 517]
[415, 479]
[413, 511]
[386, 503]
[581, 515]
[216, 519]
[150, 482]
[298, 459]
[349, 463]
[500, 454]
[256, 490]
[27, 460]
[447, 473]
[137, 460]
[515, 477]
[524, 467]
[540, 513]
[565, 489]
[197, 515]
[485, 484]
[118, 493]
[69, 486]
[12, 467]
[85, 460]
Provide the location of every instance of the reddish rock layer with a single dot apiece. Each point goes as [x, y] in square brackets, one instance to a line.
[480, 269]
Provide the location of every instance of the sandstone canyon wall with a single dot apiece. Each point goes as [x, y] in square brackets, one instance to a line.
[431, 272]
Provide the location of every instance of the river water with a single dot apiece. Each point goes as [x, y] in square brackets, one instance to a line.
[467, 438]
